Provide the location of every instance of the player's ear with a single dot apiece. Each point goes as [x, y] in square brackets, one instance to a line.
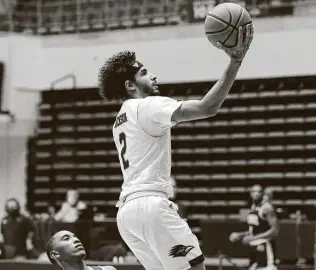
[129, 85]
[54, 254]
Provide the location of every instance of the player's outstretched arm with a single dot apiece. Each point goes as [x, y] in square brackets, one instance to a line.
[210, 104]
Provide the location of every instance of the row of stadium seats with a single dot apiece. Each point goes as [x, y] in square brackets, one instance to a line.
[264, 133]
[90, 122]
[300, 196]
[74, 16]
[236, 127]
[218, 159]
[223, 180]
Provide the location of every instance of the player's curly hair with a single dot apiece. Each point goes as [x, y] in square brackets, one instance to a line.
[114, 73]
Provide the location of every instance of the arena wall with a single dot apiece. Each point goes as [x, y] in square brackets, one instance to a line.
[189, 59]
[21, 55]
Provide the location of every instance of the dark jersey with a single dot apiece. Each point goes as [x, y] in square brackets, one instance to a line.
[15, 231]
[262, 251]
[256, 221]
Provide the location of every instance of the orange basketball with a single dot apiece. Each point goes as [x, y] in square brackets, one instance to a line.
[223, 21]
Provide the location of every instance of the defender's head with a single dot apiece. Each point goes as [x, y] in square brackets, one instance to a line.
[65, 248]
[256, 193]
[123, 77]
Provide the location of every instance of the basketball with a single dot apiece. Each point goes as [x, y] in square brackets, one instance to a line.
[223, 21]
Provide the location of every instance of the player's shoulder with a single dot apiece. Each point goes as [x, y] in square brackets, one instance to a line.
[156, 101]
[26, 218]
[129, 106]
[64, 206]
[157, 98]
[268, 207]
[4, 220]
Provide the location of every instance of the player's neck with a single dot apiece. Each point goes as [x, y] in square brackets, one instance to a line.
[77, 266]
[257, 203]
[139, 95]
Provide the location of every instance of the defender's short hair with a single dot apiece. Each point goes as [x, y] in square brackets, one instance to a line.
[114, 73]
[49, 249]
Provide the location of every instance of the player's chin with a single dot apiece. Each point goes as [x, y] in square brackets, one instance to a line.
[81, 253]
[155, 91]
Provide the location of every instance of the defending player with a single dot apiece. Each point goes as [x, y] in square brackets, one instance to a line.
[65, 250]
[263, 227]
[148, 222]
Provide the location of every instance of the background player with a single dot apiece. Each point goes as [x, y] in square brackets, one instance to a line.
[65, 250]
[148, 222]
[263, 228]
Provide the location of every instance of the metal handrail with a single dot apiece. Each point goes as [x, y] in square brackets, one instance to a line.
[63, 78]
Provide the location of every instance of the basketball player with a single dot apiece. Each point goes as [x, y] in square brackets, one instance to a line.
[148, 222]
[65, 250]
[263, 228]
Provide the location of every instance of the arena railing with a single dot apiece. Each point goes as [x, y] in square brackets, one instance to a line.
[46, 17]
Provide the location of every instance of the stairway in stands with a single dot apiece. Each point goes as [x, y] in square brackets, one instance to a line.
[265, 133]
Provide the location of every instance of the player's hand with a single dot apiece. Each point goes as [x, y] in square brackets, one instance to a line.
[238, 52]
[247, 239]
[234, 237]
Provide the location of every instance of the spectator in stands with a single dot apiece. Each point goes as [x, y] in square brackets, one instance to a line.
[17, 231]
[181, 208]
[65, 250]
[72, 208]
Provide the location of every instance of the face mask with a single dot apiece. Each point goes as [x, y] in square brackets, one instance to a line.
[13, 212]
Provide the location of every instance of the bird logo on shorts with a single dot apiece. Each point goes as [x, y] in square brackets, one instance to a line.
[180, 251]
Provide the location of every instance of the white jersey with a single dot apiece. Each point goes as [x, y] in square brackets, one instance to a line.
[143, 139]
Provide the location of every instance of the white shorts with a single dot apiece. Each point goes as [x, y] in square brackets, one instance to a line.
[157, 235]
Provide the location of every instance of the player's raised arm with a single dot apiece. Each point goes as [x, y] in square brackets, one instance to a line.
[212, 101]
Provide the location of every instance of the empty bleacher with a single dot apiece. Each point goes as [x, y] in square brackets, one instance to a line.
[265, 133]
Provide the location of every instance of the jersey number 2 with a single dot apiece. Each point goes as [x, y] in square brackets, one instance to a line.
[123, 150]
